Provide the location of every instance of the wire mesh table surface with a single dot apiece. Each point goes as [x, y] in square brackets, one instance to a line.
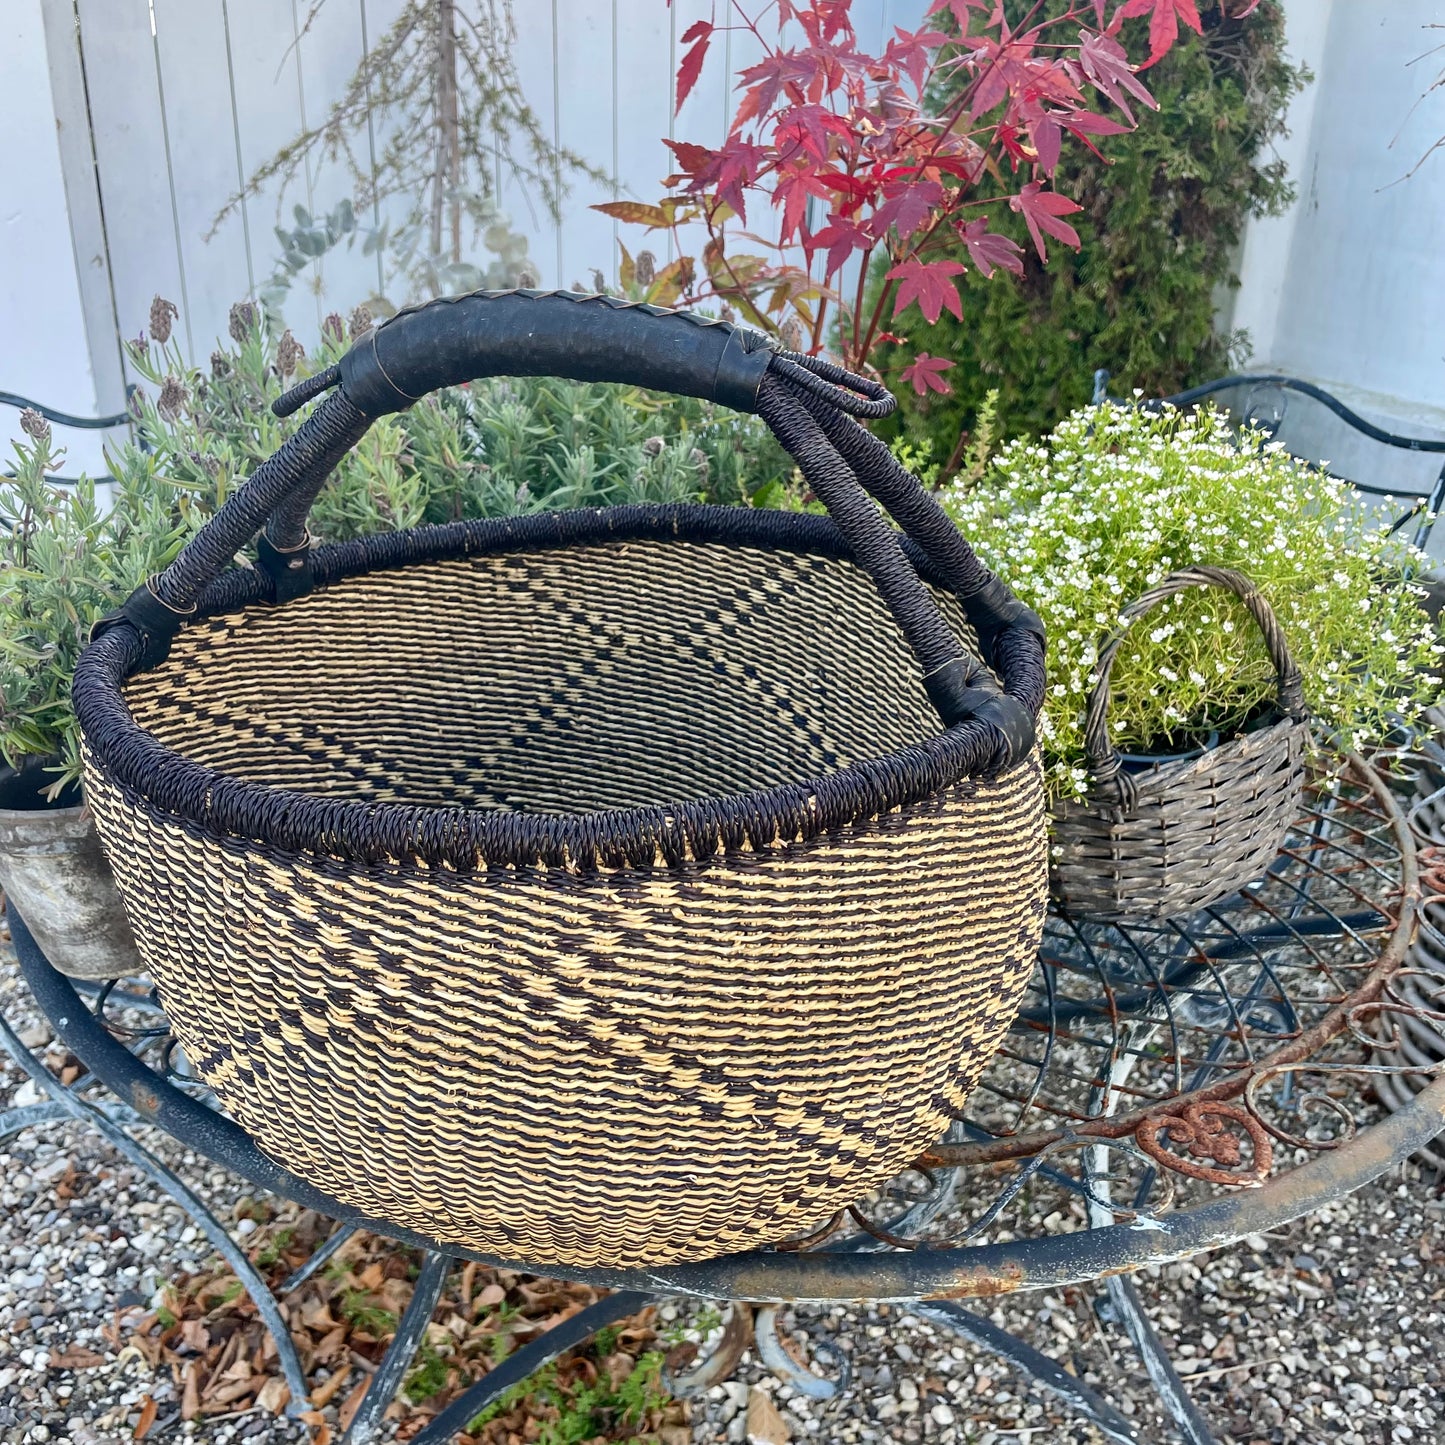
[1166, 1088]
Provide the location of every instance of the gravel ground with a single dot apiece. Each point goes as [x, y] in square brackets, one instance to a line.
[1325, 1331]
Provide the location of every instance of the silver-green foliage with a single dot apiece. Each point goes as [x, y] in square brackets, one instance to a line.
[66, 557]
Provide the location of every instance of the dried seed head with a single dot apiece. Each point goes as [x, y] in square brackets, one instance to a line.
[579, 288]
[289, 352]
[138, 347]
[333, 328]
[171, 399]
[790, 333]
[645, 268]
[34, 425]
[727, 314]
[220, 364]
[698, 458]
[526, 280]
[209, 465]
[360, 323]
[653, 446]
[599, 281]
[163, 312]
[137, 403]
[243, 321]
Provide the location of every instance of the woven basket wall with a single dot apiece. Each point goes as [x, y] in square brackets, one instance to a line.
[1170, 838]
[642, 1064]
[1199, 830]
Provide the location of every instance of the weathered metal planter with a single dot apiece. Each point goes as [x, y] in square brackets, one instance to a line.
[52, 867]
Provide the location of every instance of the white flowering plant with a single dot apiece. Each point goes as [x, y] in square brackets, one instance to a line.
[1115, 498]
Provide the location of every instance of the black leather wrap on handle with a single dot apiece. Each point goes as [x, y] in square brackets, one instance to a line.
[552, 333]
[599, 338]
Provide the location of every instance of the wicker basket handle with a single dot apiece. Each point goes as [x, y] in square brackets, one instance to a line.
[1105, 764]
[808, 402]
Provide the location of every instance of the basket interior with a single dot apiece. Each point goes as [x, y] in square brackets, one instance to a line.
[565, 681]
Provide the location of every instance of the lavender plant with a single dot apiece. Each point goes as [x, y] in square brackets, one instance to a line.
[67, 555]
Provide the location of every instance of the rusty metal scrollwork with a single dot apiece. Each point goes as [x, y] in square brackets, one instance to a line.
[1202, 1132]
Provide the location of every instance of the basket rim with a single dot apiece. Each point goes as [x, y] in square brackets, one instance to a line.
[679, 835]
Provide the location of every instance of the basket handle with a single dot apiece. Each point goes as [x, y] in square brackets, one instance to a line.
[806, 401]
[1105, 764]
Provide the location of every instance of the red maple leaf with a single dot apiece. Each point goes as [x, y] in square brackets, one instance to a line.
[1164, 17]
[988, 251]
[765, 81]
[738, 165]
[691, 67]
[692, 158]
[1042, 209]
[793, 188]
[806, 128]
[931, 284]
[842, 237]
[909, 52]
[960, 9]
[924, 375]
[907, 205]
[1084, 123]
[1107, 66]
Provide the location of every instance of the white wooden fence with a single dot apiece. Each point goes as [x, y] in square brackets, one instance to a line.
[161, 108]
[165, 107]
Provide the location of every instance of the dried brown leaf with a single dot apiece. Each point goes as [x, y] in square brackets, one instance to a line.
[352, 1403]
[332, 1345]
[468, 1281]
[323, 1394]
[220, 1393]
[191, 1391]
[148, 1412]
[76, 1358]
[274, 1396]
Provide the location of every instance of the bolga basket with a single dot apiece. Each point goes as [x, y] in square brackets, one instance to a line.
[1183, 832]
[608, 887]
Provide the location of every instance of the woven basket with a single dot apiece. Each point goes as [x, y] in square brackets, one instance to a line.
[1182, 833]
[592, 888]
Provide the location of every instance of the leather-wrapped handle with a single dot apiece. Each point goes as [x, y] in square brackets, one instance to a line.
[552, 333]
[454, 339]
[600, 338]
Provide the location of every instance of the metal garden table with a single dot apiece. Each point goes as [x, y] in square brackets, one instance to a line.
[1167, 1088]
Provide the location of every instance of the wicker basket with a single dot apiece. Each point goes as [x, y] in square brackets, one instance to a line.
[595, 888]
[1182, 833]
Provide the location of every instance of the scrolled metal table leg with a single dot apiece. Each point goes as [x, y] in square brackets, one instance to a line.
[803, 1380]
[401, 1351]
[83, 1111]
[1188, 1419]
[29, 1116]
[529, 1359]
[737, 1335]
[1033, 1363]
[323, 1255]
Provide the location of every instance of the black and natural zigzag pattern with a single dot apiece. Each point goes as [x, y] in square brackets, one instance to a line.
[592, 888]
[645, 1064]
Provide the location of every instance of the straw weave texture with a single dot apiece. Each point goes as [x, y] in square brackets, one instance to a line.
[1182, 833]
[626, 1066]
[1199, 830]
